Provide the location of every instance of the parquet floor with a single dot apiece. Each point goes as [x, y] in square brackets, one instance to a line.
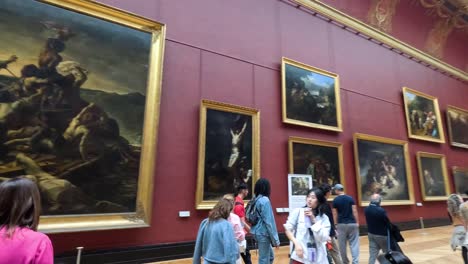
[428, 246]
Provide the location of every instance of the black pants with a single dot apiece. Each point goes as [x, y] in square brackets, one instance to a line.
[250, 245]
[465, 254]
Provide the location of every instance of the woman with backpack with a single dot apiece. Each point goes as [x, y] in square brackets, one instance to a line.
[264, 231]
[308, 228]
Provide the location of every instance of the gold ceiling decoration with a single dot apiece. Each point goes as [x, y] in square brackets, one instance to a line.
[455, 17]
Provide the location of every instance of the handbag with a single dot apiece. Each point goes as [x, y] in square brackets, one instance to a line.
[394, 257]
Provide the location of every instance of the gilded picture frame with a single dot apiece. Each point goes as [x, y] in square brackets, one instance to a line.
[433, 179]
[423, 119]
[65, 26]
[458, 129]
[460, 180]
[323, 160]
[228, 151]
[383, 166]
[310, 96]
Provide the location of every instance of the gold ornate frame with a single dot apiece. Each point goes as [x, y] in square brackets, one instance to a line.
[142, 216]
[456, 169]
[315, 142]
[449, 124]
[443, 166]
[306, 67]
[255, 115]
[436, 111]
[409, 178]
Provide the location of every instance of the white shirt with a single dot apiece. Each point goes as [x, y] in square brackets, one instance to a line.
[321, 231]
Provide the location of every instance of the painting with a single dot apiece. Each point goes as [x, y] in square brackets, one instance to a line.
[460, 179]
[79, 97]
[433, 176]
[298, 187]
[228, 151]
[382, 166]
[457, 122]
[422, 116]
[310, 96]
[323, 160]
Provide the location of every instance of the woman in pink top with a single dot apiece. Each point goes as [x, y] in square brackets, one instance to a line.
[239, 233]
[20, 207]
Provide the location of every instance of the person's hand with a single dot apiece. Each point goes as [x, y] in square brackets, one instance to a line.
[309, 214]
[329, 239]
[299, 250]
[277, 247]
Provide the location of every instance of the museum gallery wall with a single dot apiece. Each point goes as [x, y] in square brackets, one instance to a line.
[241, 67]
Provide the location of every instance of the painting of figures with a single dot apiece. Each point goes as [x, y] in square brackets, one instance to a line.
[460, 178]
[73, 93]
[382, 166]
[422, 116]
[433, 176]
[322, 160]
[311, 96]
[457, 122]
[228, 151]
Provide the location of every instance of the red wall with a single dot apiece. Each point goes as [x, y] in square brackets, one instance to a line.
[231, 51]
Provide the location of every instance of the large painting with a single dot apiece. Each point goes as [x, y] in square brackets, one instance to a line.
[323, 160]
[229, 151]
[457, 120]
[433, 176]
[311, 96]
[460, 179]
[79, 109]
[382, 166]
[422, 116]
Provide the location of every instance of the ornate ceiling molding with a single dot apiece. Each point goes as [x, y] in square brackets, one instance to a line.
[358, 27]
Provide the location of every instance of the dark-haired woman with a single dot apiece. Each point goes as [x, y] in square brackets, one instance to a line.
[264, 231]
[215, 240]
[20, 208]
[308, 228]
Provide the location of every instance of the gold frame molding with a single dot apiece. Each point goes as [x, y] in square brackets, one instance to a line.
[449, 124]
[435, 101]
[443, 165]
[365, 29]
[409, 178]
[201, 204]
[315, 142]
[284, 61]
[456, 169]
[142, 216]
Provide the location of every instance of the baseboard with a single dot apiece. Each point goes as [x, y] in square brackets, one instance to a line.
[144, 254]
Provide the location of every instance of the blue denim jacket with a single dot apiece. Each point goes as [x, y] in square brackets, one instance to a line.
[266, 225]
[216, 243]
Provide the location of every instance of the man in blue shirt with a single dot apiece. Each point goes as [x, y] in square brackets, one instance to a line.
[377, 222]
[346, 216]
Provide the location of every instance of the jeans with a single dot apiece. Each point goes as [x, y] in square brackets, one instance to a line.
[376, 243]
[348, 232]
[265, 252]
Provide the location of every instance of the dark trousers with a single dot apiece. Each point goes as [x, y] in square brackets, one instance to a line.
[246, 256]
[465, 254]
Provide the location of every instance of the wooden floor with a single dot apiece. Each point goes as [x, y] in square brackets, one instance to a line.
[429, 246]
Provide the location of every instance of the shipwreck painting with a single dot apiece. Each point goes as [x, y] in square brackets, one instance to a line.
[73, 93]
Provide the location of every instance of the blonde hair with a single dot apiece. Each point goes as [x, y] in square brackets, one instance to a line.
[453, 205]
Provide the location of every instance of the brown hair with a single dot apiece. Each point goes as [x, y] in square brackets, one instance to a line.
[20, 204]
[221, 210]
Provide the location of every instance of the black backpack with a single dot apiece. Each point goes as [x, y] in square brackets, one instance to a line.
[251, 212]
